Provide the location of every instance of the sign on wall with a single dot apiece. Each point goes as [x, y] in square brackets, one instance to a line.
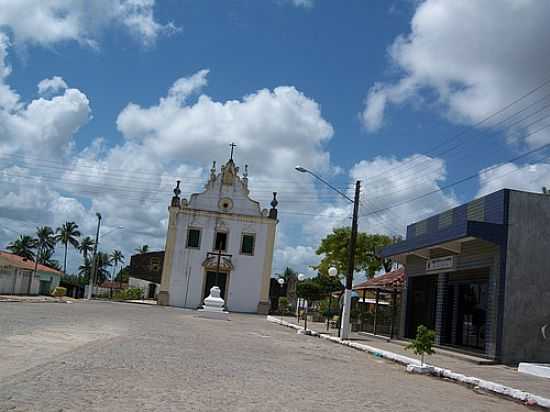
[442, 264]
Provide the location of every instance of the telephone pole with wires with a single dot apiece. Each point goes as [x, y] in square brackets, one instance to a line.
[346, 307]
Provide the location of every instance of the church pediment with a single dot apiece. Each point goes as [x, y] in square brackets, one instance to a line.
[211, 263]
[226, 192]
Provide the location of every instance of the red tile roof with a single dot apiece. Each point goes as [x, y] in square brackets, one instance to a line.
[115, 285]
[24, 263]
[387, 280]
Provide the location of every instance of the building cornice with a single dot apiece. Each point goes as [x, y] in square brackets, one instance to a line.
[227, 215]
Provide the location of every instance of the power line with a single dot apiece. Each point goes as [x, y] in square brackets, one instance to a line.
[466, 130]
[435, 170]
[428, 169]
[459, 181]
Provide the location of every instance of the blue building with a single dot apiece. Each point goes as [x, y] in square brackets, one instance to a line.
[478, 275]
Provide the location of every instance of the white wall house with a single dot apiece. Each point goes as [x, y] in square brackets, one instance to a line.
[223, 219]
[150, 290]
[17, 276]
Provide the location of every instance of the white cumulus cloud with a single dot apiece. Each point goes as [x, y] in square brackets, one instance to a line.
[470, 58]
[46, 22]
[530, 177]
[53, 85]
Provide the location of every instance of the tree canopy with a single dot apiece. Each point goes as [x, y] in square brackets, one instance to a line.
[86, 246]
[67, 233]
[334, 249]
[23, 246]
[309, 289]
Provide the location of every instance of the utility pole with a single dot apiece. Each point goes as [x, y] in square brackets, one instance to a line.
[94, 262]
[346, 310]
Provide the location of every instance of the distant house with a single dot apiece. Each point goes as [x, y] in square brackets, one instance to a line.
[17, 276]
[145, 273]
[106, 288]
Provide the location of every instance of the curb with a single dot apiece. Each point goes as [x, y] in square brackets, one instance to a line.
[515, 394]
[33, 301]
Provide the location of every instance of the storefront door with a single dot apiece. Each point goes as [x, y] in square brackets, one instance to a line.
[422, 303]
[471, 315]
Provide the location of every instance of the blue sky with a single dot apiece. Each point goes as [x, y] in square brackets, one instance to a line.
[354, 90]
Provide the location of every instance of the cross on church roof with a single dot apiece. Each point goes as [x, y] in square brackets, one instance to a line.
[233, 145]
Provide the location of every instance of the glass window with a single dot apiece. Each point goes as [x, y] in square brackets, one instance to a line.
[194, 238]
[221, 241]
[247, 244]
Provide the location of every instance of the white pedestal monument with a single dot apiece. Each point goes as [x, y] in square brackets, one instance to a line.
[213, 306]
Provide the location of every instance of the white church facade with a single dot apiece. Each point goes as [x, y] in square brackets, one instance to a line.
[219, 237]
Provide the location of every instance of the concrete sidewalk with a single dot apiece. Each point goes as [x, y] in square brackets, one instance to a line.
[469, 366]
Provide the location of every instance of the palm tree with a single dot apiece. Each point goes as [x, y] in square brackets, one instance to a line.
[142, 249]
[23, 246]
[45, 242]
[116, 259]
[68, 233]
[101, 272]
[45, 258]
[85, 270]
[86, 246]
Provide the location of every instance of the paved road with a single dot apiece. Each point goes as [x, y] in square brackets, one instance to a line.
[125, 357]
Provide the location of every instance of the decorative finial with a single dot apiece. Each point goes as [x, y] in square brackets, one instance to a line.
[176, 197]
[233, 146]
[274, 203]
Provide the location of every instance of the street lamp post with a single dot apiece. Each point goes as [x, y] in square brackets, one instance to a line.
[332, 272]
[281, 282]
[94, 262]
[346, 309]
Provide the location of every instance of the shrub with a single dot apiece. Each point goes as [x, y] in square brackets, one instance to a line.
[422, 343]
[134, 293]
[59, 292]
[128, 294]
[283, 304]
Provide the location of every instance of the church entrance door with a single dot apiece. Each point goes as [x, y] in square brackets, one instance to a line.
[211, 282]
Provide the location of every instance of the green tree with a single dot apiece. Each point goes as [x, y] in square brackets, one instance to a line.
[86, 246]
[67, 233]
[23, 246]
[329, 284]
[103, 260]
[45, 243]
[283, 305]
[309, 289]
[423, 342]
[123, 274]
[142, 249]
[117, 258]
[85, 270]
[45, 257]
[334, 249]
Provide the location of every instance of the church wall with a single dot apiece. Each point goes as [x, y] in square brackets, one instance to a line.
[188, 275]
